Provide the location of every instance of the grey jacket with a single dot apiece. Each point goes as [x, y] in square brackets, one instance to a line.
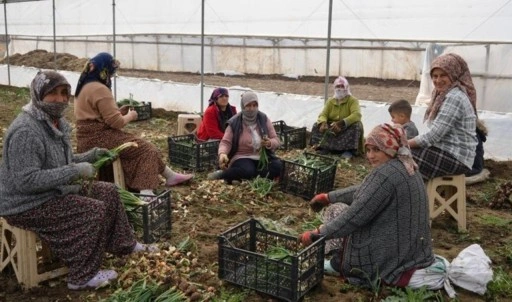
[386, 226]
[37, 164]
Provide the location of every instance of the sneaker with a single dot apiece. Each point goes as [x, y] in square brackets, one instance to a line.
[329, 270]
[482, 176]
[178, 178]
[150, 248]
[347, 155]
[101, 279]
[215, 175]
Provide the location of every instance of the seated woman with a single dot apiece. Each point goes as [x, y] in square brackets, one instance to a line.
[247, 147]
[380, 227]
[339, 128]
[216, 116]
[39, 189]
[448, 147]
[99, 122]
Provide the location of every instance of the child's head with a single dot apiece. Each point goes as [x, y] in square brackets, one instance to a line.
[400, 112]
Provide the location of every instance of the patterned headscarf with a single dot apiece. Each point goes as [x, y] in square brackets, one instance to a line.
[458, 71]
[216, 94]
[391, 139]
[42, 84]
[105, 67]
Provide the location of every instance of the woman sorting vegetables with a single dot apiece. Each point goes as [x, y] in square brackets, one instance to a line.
[99, 122]
[247, 147]
[339, 128]
[378, 230]
[40, 188]
[215, 117]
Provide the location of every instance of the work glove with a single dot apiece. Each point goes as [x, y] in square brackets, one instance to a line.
[319, 202]
[100, 152]
[337, 127]
[323, 127]
[308, 237]
[85, 170]
[223, 160]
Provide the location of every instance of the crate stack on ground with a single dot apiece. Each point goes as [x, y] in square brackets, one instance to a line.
[186, 152]
[291, 137]
[269, 262]
[152, 221]
[308, 175]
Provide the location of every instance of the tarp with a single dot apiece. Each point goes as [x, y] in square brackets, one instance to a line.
[295, 110]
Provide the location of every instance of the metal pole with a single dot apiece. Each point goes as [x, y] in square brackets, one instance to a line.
[202, 55]
[114, 42]
[7, 45]
[54, 39]
[326, 84]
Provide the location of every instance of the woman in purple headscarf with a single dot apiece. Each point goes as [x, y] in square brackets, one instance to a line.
[216, 116]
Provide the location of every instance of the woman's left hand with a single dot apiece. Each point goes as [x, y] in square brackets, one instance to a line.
[337, 127]
[124, 109]
[266, 143]
[308, 237]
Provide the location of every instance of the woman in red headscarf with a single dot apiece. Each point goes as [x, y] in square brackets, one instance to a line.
[378, 230]
[216, 116]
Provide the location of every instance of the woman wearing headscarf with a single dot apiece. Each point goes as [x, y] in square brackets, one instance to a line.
[339, 128]
[448, 147]
[381, 227]
[216, 116]
[39, 188]
[99, 123]
[247, 147]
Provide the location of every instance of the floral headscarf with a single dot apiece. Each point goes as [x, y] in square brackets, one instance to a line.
[105, 67]
[391, 139]
[42, 84]
[458, 71]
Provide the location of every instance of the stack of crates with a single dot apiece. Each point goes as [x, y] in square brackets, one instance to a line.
[246, 258]
[188, 153]
[291, 137]
[308, 175]
[143, 111]
[153, 219]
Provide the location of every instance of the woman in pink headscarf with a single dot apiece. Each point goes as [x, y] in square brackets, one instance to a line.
[216, 116]
[339, 128]
[448, 147]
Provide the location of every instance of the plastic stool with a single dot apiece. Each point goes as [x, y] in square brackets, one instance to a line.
[19, 248]
[448, 193]
[188, 123]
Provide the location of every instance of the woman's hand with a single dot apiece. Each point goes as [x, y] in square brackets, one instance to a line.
[223, 161]
[308, 237]
[266, 142]
[337, 127]
[319, 202]
[323, 127]
[124, 109]
[131, 115]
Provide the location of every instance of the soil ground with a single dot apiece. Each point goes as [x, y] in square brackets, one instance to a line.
[204, 209]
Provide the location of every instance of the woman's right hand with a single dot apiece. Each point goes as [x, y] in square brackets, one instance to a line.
[323, 127]
[124, 109]
[85, 170]
[223, 161]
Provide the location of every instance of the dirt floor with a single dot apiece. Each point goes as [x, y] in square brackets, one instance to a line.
[203, 209]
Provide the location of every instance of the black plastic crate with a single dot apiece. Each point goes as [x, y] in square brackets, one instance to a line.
[154, 218]
[188, 153]
[243, 261]
[143, 111]
[291, 137]
[305, 180]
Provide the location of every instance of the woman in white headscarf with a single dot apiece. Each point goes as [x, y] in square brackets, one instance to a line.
[247, 148]
[339, 128]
